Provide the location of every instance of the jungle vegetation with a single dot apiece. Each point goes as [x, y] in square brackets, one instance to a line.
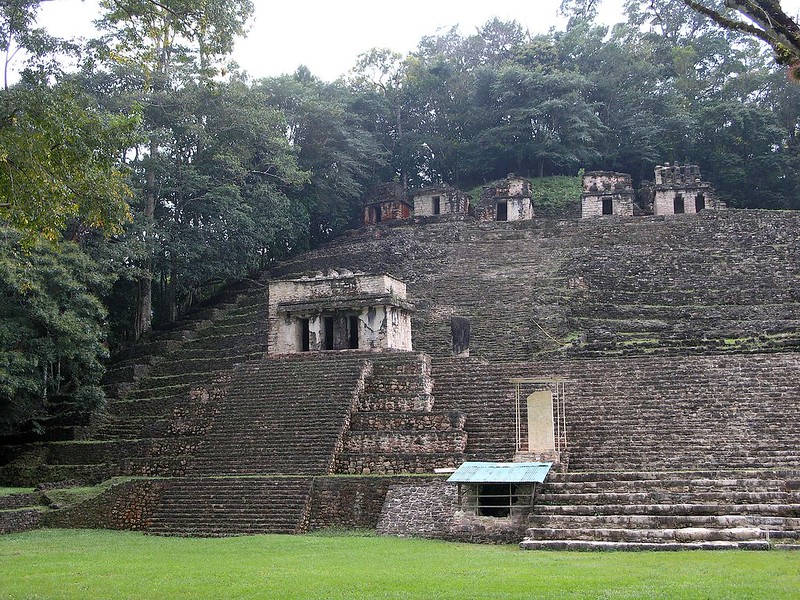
[142, 180]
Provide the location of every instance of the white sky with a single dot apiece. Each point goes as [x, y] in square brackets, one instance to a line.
[328, 36]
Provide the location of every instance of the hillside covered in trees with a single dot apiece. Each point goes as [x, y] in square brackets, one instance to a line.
[139, 184]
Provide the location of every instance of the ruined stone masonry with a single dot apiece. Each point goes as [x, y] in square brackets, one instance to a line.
[292, 404]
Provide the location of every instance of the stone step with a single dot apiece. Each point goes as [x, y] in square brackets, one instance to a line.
[656, 521]
[681, 535]
[592, 545]
[713, 508]
[657, 497]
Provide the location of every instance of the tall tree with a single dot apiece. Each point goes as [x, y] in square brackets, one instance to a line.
[168, 42]
[52, 330]
[763, 19]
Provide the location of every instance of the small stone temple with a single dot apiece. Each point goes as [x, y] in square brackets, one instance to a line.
[508, 200]
[679, 189]
[339, 312]
[607, 193]
[386, 202]
[439, 200]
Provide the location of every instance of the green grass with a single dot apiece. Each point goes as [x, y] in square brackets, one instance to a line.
[103, 564]
[7, 491]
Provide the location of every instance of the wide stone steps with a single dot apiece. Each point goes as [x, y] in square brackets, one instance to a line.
[665, 521]
[595, 545]
[693, 509]
[592, 509]
[232, 506]
[680, 535]
[282, 416]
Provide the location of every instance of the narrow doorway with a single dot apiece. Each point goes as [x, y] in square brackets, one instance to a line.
[502, 211]
[327, 333]
[305, 335]
[678, 204]
[437, 205]
[699, 203]
[353, 332]
[608, 206]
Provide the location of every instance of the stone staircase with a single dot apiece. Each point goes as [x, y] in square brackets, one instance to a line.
[161, 400]
[666, 511]
[394, 427]
[223, 506]
[283, 415]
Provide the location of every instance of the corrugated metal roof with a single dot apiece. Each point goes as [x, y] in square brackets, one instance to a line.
[488, 472]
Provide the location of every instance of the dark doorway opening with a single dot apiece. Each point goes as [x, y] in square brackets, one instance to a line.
[437, 205]
[376, 213]
[305, 335]
[699, 203]
[678, 204]
[352, 325]
[608, 206]
[496, 499]
[327, 333]
[502, 211]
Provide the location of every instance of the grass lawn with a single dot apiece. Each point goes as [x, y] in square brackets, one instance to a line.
[103, 564]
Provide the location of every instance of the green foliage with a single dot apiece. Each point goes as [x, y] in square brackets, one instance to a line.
[59, 161]
[104, 564]
[51, 327]
[557, 191]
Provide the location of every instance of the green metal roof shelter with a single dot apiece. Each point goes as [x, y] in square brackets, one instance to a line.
[490, 472]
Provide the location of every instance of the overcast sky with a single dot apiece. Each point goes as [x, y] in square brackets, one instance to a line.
[328, 36]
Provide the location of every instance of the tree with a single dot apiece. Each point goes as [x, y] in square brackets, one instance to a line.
[166, 42]
[60, 153]
[52, 327]
[766, 21]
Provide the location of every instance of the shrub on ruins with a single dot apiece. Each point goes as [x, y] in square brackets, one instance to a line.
[52, 327]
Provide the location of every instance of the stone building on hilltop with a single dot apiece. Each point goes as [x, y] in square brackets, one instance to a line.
[508, 200]
[679, 189]
[607, 193]
[439, 200]
[386, 202]
[339, 312]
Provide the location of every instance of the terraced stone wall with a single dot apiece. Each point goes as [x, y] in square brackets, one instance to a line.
[129, 506]
[351, 502]
[21, 519]
[718, 281]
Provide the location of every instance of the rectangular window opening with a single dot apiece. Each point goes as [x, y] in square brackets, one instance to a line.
[353, 333]
[496, 499]
[699, 203]
[327, 333]
[305, 335]
[502, 211]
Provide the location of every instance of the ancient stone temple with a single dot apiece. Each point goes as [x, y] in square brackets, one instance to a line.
[679, 189]
[439, 200]
[508, 200]
[387, 202]
[339, 312]
[606, 193]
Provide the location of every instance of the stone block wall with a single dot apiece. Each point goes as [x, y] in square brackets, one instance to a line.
[21, 519]
[349, 502]
[129, 505]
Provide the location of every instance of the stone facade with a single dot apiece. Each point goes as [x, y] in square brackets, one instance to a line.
[679, 189]
[387, 202]
[439, 200]
[607, 193]
[22, 519]
[433, 509]
[508, 200]
[338, 312]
